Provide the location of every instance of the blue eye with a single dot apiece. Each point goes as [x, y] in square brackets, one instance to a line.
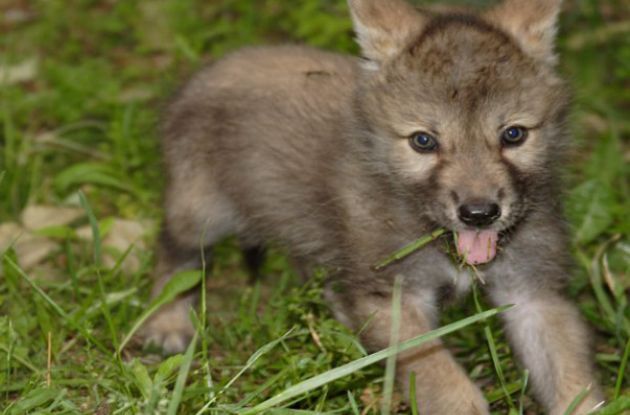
[423, 142]
[514, 135]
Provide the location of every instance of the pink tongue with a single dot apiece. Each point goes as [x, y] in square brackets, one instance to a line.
[477, 247]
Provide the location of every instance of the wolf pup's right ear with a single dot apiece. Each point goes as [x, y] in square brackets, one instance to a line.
[384, 27]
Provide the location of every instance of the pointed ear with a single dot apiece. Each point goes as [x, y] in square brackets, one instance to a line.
[533, 23]
[384, 27]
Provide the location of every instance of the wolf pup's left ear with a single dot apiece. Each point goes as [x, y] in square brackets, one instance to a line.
[533, 23]
[384, 27]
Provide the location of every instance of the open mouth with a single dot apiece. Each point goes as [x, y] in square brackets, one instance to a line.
[477, 246]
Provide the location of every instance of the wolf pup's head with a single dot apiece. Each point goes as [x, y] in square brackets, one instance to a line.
[464, 111]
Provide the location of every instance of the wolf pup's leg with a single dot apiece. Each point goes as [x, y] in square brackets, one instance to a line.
[170, 327]
[197, 215]
[549, 337]
[442, 386]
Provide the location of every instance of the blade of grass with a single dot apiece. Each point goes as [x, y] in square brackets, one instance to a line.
[12, 279]
[39, 291]
[492, 348]
[353, 404]
[408, 250]
[178, 391]
[390, 366]
[204, 314]
[259, 390]
[70, 267]
[23, 361]
[164, 371]
[96, 237]
[619, 406]
[413, 398]
[622, 370]
[496, 395]
[34, 399]
[594, 270]
[523, 389]
[141, 378]
[349, 368]
[111, 299]
[577, 401]
[250, 362]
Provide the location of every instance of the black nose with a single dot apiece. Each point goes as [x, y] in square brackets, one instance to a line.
[479, 213]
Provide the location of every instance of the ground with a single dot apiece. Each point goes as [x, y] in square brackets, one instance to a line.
[81, 87]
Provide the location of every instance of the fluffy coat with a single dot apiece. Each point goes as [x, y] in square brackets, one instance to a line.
[311, 150]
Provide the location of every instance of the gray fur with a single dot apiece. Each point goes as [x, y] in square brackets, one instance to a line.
[308, 150]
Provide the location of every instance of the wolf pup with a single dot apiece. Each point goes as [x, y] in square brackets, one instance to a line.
[451, 119]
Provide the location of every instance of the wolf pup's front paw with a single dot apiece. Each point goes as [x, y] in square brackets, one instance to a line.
[451, 395]
[170, 329]
[471, 402]
[463, 402]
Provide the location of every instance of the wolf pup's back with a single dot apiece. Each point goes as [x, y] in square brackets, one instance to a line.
[263, 127]
[453, 120]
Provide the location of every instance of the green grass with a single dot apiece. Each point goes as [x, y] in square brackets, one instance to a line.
[79, 129]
